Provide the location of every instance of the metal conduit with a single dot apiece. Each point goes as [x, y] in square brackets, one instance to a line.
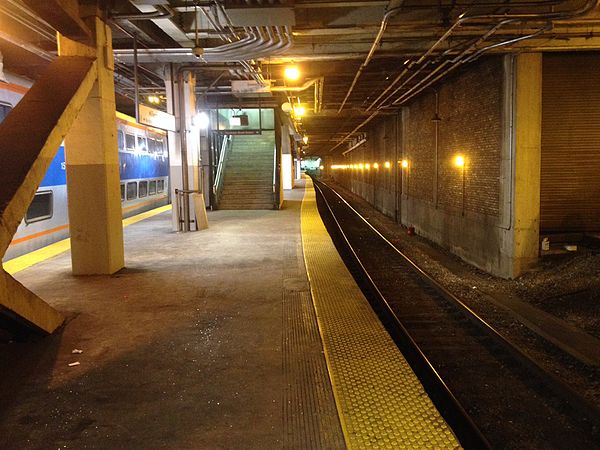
[164, 14]
[504, 19]
[264, 43]
[481, 39]
[416, 90]
[382, 27]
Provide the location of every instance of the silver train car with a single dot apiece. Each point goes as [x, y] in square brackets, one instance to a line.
[144, 168]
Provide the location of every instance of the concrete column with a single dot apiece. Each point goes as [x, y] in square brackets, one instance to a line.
[287, 163]
[93, 165]
[527, 161]
[183, 149]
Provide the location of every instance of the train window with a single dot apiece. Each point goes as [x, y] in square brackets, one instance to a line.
[143, 188]
[120, 140]
[160, 186]
[160, 149]
[130, 141]
[152, 188]
[122, 191]
[131, 190]
[4, 110]
[151, 145]
[40, 208]
[141, 143]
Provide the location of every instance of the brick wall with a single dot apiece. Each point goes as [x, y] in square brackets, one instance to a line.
[419, 145]
[471, 112]
[471, 124]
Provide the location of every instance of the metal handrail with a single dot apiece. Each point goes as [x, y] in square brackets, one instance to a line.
[182, 198]
[274, 167]
[221, 166]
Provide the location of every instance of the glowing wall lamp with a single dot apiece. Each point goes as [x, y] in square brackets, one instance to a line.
[201, 120]
[404, 163]
[305, 140]
[375, 166]
[299, 111]
[387, 165]
[459, 162]
[291, 73]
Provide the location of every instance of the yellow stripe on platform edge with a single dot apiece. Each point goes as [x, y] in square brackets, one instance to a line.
[23, 262]
[380, 401]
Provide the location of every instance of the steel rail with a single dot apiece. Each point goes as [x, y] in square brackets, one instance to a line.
[566, 393]
[453, 412]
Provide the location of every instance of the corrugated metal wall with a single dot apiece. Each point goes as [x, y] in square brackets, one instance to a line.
[570, 179]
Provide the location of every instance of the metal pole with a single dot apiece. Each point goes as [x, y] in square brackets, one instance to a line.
[184, 156]
[463, 189]
[135, 78]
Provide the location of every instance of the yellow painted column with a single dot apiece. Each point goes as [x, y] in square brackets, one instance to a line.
[527, 163]
[93, 165]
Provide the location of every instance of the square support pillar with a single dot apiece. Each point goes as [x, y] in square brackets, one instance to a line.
[184, 151]
[93, 165]
[527, 161]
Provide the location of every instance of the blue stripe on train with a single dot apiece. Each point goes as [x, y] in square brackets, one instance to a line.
[131, 166]
[56, 174]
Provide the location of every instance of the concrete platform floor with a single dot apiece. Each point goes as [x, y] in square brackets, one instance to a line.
[206, 340]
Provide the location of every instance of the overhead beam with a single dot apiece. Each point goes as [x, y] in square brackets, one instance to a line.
[52, 104]
[64, 16]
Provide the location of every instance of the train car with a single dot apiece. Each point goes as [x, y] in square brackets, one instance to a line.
[144, 168]
[144, 165]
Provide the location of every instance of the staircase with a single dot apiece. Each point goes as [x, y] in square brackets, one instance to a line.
[248, 174]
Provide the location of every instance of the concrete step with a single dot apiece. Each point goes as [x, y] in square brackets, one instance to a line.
[250, 178]
[248, 159]
[245, 167]
[246, 192]
[248, 202]
[255, 176]
[241, 192]
[247, 199]
[246, 206]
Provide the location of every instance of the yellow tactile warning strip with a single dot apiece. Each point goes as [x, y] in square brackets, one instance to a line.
[381, 402]
[23, 262]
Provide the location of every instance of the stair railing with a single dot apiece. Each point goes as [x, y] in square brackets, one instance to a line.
[218, 186]
[274, 172]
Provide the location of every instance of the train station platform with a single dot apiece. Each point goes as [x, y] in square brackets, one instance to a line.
[251, 334]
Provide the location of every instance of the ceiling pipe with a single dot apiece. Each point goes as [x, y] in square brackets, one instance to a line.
[158, 14]
[473, 45]
[318, 96]
[417, 89]
[358, 144]
[305, 86]
[260, 46]
[588, 6]
[504, 19]
[386, 17]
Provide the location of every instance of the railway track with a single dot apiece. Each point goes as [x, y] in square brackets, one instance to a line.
[513, 401]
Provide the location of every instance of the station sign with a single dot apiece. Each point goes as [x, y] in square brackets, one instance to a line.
[156, 118]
